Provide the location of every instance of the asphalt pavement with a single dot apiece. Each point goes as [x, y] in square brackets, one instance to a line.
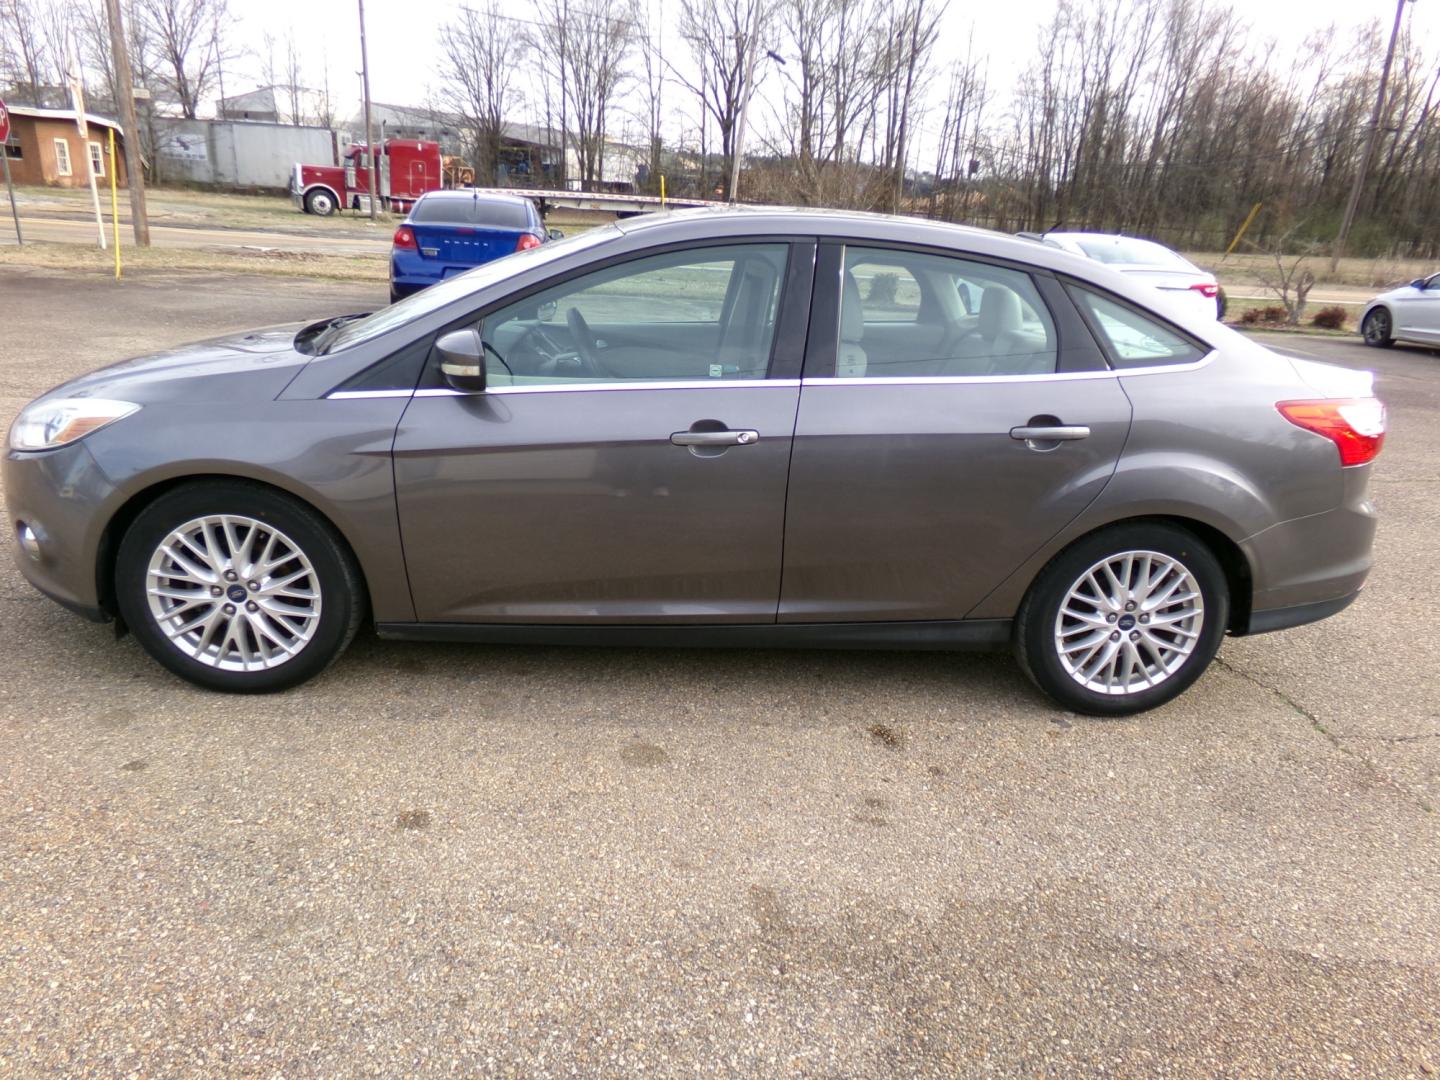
[477, 861]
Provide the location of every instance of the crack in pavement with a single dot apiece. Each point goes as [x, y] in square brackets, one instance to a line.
[1335, 740]
[1392, 738]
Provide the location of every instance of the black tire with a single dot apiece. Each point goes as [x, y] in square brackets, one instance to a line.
[1036, 625]
[1376, 328]
[342, 599]
[396, 294]
[320, 203]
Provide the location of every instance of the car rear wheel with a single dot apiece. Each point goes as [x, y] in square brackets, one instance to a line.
[1376, 329]
[236, 587]
[320, 202]
[1124, 620]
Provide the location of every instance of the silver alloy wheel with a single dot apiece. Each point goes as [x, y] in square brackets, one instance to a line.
[234, 593]
[1377, 326]
[1129, 622]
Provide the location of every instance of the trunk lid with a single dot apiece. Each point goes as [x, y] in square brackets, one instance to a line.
[464, 245]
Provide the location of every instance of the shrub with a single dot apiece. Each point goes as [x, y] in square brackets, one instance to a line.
[1274, 315]
[883, 288]
[1330, 318]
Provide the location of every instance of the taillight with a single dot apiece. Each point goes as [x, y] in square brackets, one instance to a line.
[404, 238]
[1355, 425]
[527, 241]
[1207, 289]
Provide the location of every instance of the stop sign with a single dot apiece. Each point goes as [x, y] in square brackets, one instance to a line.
[4, 122]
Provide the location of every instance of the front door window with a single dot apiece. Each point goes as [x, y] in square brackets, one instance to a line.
[692, 316]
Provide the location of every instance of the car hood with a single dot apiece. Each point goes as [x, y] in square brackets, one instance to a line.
[255, 364]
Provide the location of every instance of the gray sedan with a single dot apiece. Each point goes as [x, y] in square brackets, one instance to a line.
[716, 428]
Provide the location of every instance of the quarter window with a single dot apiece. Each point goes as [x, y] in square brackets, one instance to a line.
[62, 157]
[907, 314]
[1135, 340]
[682, 316]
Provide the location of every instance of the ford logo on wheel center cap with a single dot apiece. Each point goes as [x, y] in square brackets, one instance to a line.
[1126, 622]
[236, 593]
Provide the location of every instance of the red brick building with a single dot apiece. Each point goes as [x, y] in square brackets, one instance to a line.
[45, 148]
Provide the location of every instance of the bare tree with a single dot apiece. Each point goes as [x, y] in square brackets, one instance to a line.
[653, 79]
[186, 36]
[26, 58]
[482, 55]
[717, 33]
[592, 42]
[283, 71]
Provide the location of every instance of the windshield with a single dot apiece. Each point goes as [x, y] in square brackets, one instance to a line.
[460, 286]
[455, 210]
[1128, 251]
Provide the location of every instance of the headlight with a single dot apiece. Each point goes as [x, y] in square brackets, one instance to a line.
[45, 425]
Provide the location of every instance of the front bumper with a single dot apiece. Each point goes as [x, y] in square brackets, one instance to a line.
[60, 495]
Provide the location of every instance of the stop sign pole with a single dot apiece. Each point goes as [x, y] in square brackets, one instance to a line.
[5, 157]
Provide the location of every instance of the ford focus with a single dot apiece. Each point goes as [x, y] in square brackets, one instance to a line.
[755, 428]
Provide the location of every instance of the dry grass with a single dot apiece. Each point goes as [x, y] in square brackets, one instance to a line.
[1371, 274]
[228, 260]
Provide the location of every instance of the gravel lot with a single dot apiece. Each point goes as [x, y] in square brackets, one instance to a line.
[543, 862]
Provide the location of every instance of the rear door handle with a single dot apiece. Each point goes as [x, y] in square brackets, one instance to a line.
[715, 438]
[1059, 433]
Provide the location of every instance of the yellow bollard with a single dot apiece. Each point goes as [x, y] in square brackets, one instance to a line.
[662, 191]
[114, 204]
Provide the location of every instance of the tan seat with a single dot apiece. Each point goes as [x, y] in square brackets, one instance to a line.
[998, 335]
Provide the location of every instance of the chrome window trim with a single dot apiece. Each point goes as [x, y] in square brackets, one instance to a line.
[1047, 377]
[568, 388]
[817, 381]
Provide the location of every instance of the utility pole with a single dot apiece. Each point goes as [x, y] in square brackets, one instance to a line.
[747, 42]
[1370, 140]
[370, 153]
[125, 90]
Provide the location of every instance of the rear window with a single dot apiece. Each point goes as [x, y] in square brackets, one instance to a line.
[1127, 251]
[494, 213]
[1135, 340]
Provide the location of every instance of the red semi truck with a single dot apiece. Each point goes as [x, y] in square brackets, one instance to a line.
[408, 169]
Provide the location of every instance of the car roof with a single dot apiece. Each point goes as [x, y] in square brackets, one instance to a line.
[472, 193]
[750, 221]
[776, 222]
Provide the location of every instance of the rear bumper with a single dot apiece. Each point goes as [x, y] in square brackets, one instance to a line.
[1312, 567]
[1264, 622]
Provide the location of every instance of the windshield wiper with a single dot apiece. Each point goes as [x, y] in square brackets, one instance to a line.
[309, 338]
[328, 335]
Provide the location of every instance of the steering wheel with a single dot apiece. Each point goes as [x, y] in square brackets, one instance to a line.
[586, 345]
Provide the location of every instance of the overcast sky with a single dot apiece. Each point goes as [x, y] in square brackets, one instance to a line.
[402, 35]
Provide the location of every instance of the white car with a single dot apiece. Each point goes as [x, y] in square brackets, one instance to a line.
[1167, 270]
[1409, 313]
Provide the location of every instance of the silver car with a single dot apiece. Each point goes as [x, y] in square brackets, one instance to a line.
[716, 428]
[1155, 264]
[1409, 313]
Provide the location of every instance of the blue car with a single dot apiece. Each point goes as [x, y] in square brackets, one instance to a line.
[448, 232]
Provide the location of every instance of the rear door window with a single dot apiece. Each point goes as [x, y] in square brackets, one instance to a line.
[913, 314]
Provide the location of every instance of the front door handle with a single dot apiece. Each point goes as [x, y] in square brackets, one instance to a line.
[1057, 433]
[715, 438]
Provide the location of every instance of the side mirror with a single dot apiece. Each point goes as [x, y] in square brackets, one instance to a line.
[1418, 283]
[554, 234]
[462, 360]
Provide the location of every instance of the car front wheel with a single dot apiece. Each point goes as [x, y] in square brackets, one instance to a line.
[237, 587]
[1123, 620]
[1376, 329]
